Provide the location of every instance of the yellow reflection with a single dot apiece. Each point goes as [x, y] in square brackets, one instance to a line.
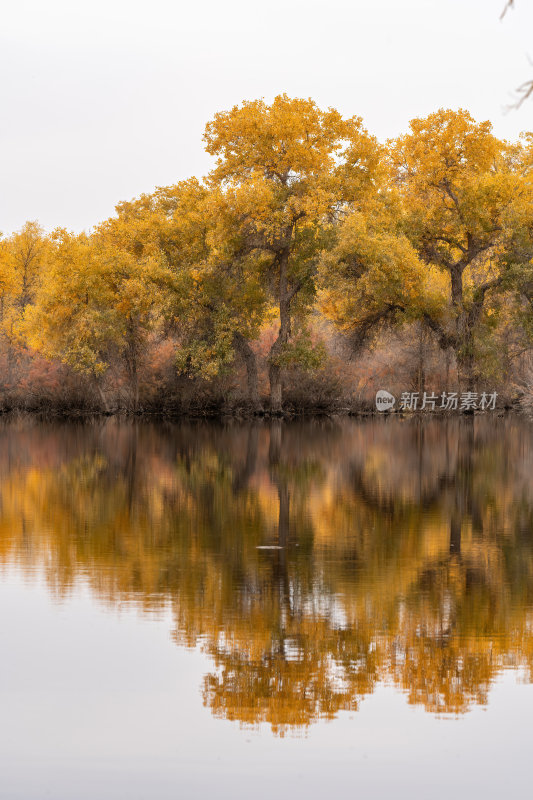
[401, 551]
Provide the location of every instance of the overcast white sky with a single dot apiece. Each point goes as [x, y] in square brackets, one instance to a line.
[106, 99]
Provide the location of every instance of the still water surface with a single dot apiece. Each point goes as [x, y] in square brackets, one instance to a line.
[257, 610]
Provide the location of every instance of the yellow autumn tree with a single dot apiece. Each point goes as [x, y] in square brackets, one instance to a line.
[468, 212]
[23, 262]
[214, 303]
[96, 301]
[284, 172]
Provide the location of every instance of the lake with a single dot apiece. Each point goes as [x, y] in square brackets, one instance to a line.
[320, 607]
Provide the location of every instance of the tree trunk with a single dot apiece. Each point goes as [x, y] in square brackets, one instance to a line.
[464, 342]
[101, 394]
[242, 346]
[276, 389]
[10, 361]
[421, 373]
[132, 358]
[465, 371]
[465, 355]
[275, 370]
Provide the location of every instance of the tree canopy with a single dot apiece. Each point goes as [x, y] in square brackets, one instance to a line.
[307, 234]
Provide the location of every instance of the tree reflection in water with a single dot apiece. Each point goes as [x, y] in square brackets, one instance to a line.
[402, 549]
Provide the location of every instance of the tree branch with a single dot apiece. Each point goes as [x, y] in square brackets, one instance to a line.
[445, 339]
[509, 4]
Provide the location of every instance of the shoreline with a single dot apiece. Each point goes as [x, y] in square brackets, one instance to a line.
[246, 415]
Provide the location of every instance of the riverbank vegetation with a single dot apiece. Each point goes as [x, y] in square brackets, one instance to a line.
[312, 266]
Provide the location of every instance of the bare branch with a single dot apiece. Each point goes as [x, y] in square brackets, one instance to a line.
[525, 90]
[509, 4]
[366, 327]
[445, 339]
